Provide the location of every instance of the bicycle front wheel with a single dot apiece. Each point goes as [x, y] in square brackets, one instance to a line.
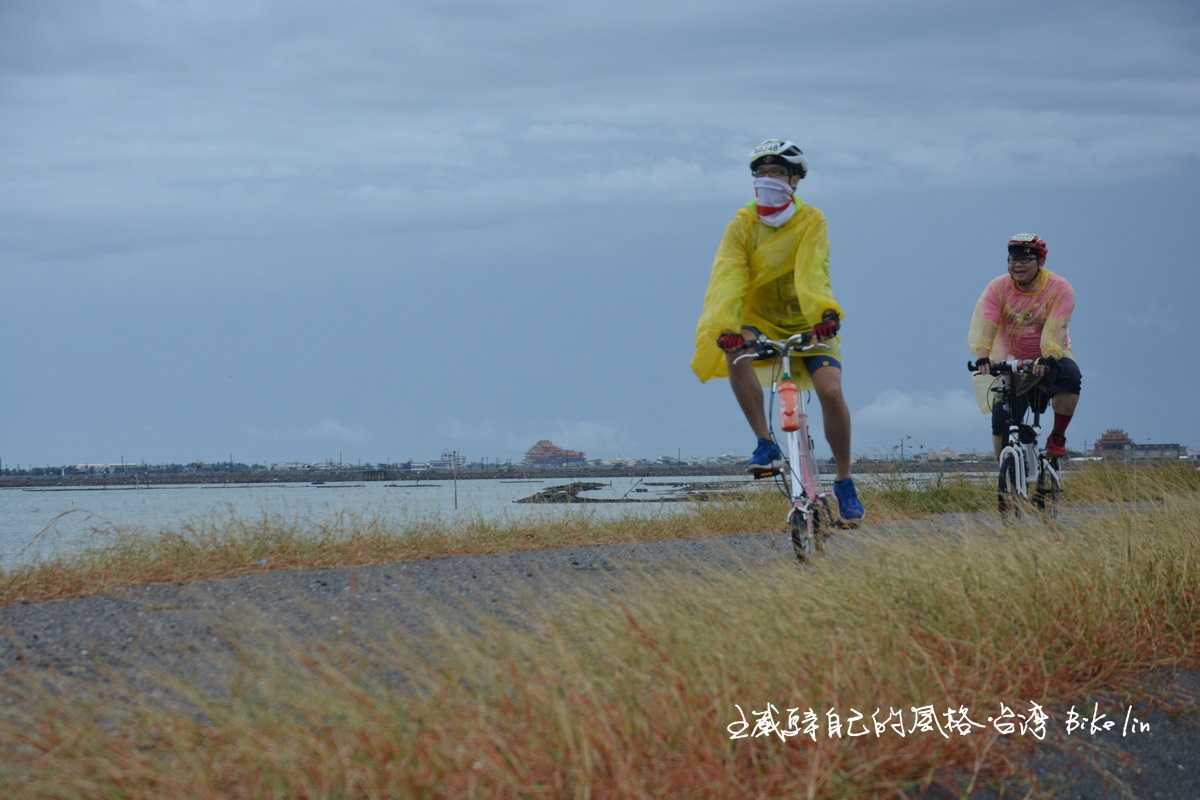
[822, 521]
[1007, 494]
[804, 540]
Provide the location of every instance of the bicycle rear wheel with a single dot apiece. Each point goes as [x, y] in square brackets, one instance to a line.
[1008, 500]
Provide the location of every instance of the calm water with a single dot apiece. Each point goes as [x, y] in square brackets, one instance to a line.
[36, 524]
[39, 523]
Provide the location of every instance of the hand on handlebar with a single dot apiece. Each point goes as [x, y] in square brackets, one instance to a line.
[1031, 366]
[731, 342]
[1043, 365]
[827, 328]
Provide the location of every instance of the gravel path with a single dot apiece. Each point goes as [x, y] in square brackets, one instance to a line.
[137, 633]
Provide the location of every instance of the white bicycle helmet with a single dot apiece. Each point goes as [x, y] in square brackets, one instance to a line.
[779, 151]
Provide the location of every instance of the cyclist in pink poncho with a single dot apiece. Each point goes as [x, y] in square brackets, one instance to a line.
[1025, 314]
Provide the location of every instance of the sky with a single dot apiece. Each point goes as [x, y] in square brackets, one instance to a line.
[374, 231]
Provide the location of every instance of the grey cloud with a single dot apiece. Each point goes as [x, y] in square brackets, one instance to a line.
[563, 166]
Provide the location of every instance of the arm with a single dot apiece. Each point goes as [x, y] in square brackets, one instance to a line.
[724, 300]
[725, 297]
[985, 322]
[1055, 340]
[813, 287]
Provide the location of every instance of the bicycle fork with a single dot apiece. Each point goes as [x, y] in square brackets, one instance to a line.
[1019, 477]
[803, 480]
[1043, 471]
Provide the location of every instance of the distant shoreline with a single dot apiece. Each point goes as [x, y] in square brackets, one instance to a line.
[365, 474]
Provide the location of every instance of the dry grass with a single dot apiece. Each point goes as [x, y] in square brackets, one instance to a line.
[225, 547]
[632, 697]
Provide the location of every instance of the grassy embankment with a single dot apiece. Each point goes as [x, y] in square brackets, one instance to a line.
[632, 697]
[223, 547]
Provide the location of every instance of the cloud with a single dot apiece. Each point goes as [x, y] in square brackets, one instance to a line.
[671, 175]
[286, 171]
[597, 439]
[332, 430]
[326, 430]
[899, 412]
[575, 133]
[423, 115]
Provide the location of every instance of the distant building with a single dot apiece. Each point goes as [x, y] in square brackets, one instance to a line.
[547, 454]
[451, 459]
[103, 469]
[618, 462]
[1116, 443]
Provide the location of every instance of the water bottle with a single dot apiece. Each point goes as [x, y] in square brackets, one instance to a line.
[787, 405]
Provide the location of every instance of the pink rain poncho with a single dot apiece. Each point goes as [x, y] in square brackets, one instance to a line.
[1012, 322]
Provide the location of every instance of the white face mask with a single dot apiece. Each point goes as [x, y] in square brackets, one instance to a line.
[773, 198]
[772, 192]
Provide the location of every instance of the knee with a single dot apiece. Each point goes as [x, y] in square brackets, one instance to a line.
[830, 395]
[1069, 379]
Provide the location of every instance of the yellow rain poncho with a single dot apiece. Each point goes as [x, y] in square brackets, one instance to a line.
[776, 279]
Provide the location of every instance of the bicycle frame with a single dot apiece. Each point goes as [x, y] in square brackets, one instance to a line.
[1015, 450]
[803, 473]
[809, 505]
[1029, 462]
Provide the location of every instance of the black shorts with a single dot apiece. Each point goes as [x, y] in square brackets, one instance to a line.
[1064, 378]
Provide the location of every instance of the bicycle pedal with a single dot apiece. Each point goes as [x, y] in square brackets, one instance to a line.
[765, 472]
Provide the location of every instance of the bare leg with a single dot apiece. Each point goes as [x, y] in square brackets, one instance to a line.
[835, 416]
[1064, 403]
[749, 394]
[998, 444]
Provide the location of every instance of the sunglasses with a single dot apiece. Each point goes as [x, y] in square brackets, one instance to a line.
[770, 171]
[1020, 253]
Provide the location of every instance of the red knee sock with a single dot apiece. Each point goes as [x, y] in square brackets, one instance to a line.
[1061, 421]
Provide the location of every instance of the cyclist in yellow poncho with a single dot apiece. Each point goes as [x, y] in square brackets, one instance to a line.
[771, 273]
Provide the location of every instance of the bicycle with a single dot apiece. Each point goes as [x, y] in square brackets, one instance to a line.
[809, 520]
[1021, 460]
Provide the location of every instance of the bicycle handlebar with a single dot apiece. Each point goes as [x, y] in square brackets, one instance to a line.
[1005, 367]
[764, 348]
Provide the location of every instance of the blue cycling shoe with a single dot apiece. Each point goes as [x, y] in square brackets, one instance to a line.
[849, 506]
[766, 456]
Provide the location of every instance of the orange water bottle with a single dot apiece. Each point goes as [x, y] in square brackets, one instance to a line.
[787, 405]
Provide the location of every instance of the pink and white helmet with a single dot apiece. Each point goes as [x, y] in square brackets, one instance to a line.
[1026, 243]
